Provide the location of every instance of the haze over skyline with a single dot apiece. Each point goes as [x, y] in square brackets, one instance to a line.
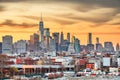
[20, 18]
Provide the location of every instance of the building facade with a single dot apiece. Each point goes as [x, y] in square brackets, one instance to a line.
[21, 46]
[7, 45]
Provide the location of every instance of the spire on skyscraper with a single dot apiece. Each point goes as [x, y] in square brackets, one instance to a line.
[41, 17]
[41, 28]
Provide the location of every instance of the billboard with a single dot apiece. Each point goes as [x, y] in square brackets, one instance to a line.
[106, 61]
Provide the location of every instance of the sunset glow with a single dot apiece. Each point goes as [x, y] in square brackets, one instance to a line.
[20, 18]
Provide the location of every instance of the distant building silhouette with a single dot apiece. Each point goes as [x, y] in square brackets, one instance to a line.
[117, 47]
[71, 49]
[97, 40]
[108, 46]
[68, 37]
[47, 37]
[61, 38]
[21, 46]
[56, 39]
[90, 46]
[52, 46]
[77, 45]
[41, 29]
[34, 42]
[99, 47]
[89, 38]
[7, 45]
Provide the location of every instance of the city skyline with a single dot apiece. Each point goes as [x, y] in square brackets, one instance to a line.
[77, 17]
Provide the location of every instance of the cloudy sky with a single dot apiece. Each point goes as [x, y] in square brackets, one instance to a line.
[20, 18]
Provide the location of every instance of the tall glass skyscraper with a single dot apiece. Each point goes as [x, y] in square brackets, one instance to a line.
[41, 29]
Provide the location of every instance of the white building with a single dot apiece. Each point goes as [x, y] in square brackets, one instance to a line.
[7, 46]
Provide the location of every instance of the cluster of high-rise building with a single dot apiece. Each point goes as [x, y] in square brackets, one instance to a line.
[44, 42]
[50, 53]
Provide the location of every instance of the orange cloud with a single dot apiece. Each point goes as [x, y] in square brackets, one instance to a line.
[10, 23]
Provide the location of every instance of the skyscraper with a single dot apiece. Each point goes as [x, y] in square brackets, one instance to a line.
[77, 45]
[117, 47]
[41, 29]
[47, 36]
[90, 46]
[34, 42]
[56, 39]
[21, 46]
[97, 40]
[108, 47]
[99, 47]
[7, 45]
[71, 48]
[68, 37]
[52, 45]
[89, 38]
[61, 38]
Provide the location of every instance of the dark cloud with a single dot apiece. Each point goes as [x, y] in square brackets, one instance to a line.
[118, 23]
[79, 4]
[109, 3]
[13, 0]
[106, 3]
[13, 24]
[29, 0]
[2, 8]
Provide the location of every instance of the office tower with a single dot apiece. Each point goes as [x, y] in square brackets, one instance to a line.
[52, 45]
[0, 47]
[90, 47]
[89, 38]
[7, 45]
[99, 47]
[34, 42]
[56, 39]
[68, 37]
[47, 36]
[117, 47]
[41, 29]
[61, 38]
[64, 45]
[21, 46]
[73, 38]
[71, 49]
[108, 47]
[77, 45]
[97, 40]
